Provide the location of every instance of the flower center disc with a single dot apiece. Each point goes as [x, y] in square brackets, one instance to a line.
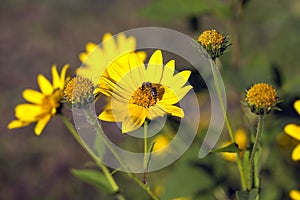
[148, 94]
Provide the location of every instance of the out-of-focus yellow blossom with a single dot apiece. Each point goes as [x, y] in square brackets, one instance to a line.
[295, 195]
[161, 142]
[111, 53]
[42, 104]
[241, 139]
[293, 130]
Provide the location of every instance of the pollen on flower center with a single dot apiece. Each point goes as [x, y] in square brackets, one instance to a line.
[148, 94]
[79, 91]
[261, 98]
[211, 38]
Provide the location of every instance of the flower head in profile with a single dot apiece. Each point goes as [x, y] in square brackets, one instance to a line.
[112, 50]
[144, 92]
[293, 130]
[213, 42]
[43, 104]
[241, 139]
[261, 98]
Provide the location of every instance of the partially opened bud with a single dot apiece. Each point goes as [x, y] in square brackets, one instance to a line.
[213, 42]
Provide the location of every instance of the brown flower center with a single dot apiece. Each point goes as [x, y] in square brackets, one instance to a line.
[148, 94]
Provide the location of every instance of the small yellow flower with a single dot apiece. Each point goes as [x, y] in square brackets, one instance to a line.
[97, 58]
[241, 139]
[42, 105]
[295, 195]
[79, 92]
[293, 130]
[261, 98]
[213, 42]
[144, 93]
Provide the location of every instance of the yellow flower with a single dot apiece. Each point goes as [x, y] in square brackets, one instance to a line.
[261, 98]
[78, 92]
[295, 195]
[213, 42]
[240, 137]
[42, 105]
[293, 130]
[161, 142]
[144, 93]
[97, 58]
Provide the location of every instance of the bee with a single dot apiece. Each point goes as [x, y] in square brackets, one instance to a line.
[157, 90]
[146, 85]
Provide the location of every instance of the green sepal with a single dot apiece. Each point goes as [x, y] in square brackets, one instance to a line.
[94, 178]
[231, 148]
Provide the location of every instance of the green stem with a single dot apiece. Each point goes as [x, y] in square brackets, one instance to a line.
[145, 164]
[117, 156]
[260, 126]
[106, 172]
[228, 124]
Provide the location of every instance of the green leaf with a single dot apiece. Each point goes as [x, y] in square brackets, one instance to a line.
[231, 148]
[246, 195]
[94, 178]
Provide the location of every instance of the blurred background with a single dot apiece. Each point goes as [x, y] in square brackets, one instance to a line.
[37, 34]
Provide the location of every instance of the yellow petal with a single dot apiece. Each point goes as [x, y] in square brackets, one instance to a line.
[63, 77]
[125, 45]
[110, 115]
[137, 69]
[174, 96]
[17, 124]
[39, 127]
[90, 47]
[296, 153]
[156, 111]
[180, 79]
[45, 85]
[295, 194]
[168, 72]
[106, 36]
[135, 119]
[142, 55]
[27, 112]
[83, 56]
[173, 110]
[155, 67]
[116, 72]
[293, 130]
[33, 96]
[55, 77]
[297, 106]
[109, 47]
